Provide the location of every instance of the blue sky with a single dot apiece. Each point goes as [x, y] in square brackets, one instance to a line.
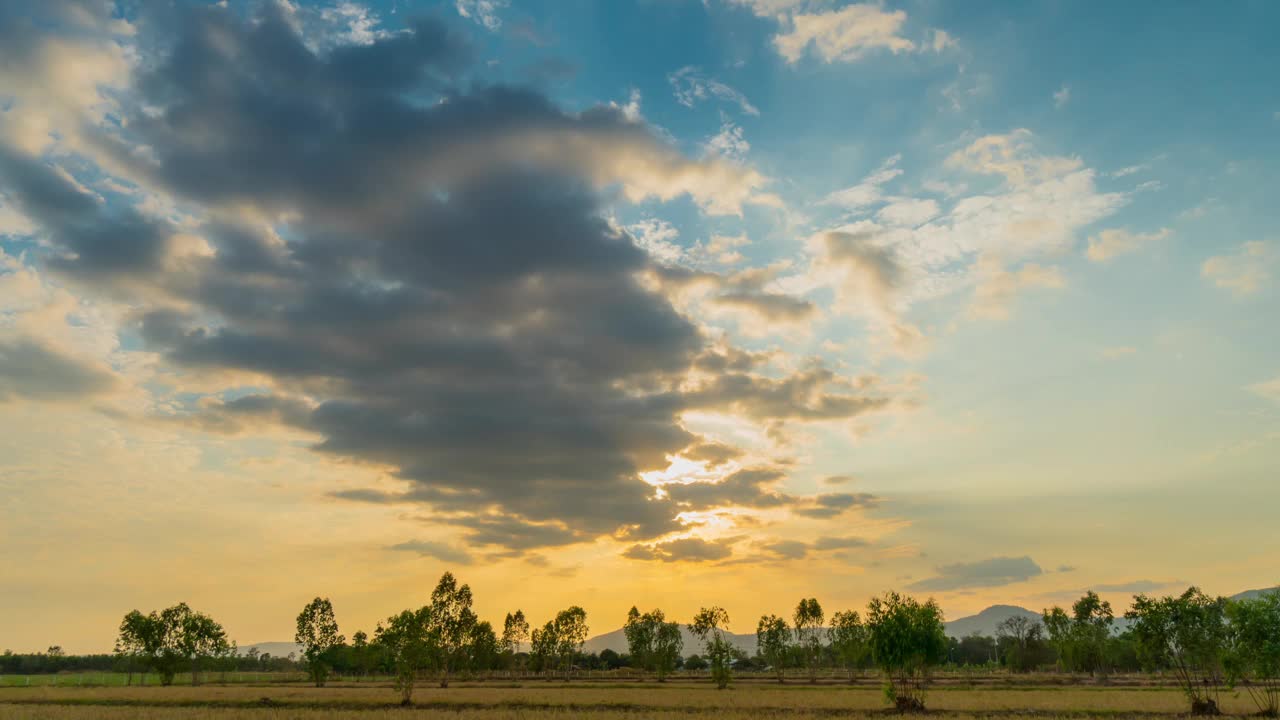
[975, 298]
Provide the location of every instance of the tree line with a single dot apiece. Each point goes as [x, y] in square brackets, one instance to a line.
[1206, 644]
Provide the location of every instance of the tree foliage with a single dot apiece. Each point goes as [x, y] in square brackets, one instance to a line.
[451, 626]
[317, 633]
[849, 641]
[907, 640]
[653, 643]
[1187, 634]
[172, 639]
[410, 647]
[710, 625]
[773, 643]
[1253, 658]
[808, 619]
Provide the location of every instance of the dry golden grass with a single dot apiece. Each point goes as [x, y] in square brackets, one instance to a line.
[550, 700]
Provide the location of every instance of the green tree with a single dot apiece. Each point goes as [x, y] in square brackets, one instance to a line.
[639, 632]
[808, 620]
[317, 633]
[710, 625]
[515, 631]
[187, 638]
[652, 642]
[1019, 640]
[483, 647]
[362, 655]
[1081, 637]
[1187, 634]
[1253, 660]
[667, 645]
[140, 641]
[772, 640]
[543, 645]
[848, 638]
[451, 624]
[409, 646]
[570, 629]
[907, 640]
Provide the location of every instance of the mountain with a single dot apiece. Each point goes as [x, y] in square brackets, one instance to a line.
[1254, 594]
[985, 622]
[617, 642]
[275, 649]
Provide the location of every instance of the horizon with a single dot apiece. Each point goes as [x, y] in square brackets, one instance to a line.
[631, 303]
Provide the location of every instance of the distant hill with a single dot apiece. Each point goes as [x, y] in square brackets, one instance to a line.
[985, 622]
[1254, 594]
[274, 649]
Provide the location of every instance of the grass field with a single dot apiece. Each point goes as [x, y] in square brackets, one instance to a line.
[531, 701]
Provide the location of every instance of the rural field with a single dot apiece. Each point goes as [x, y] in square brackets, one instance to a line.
[595, 700]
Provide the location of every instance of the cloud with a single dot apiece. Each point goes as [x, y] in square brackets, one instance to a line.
[443, 552]
[691, 87]
[829, 505]
[1243, 272]
[787, 549]
[1269, 389]
[1061, 96]
[1110, 243]
[1133, 586]
[484, 12]
[1119, 351]
[692, 549]
[869, 280]
[867, 192]
[844, 35]
[34, 370]
[839, 543]
[997, 287]
[419, 278]
[728, 143]
[992, 572]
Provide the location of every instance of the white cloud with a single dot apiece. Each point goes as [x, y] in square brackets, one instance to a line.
[484, 12]
[692, 87]
[1062, 96]
[940, 41]
[1131, 169]
[867, 192]
[1112, 242]
[844, 35]
[908, 212]
[655, 237]
[1242, 273]
[1269, 389]
[357, 24]
[728, 143]
[997, 286]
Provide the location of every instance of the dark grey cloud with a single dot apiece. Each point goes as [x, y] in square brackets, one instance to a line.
[443, 552]
[1133, 586]
[992, 572]
[829, 505]
[788, 549]
[31, 369]
[439, 293]
[682, 550]
[839, 543]
[773, 307]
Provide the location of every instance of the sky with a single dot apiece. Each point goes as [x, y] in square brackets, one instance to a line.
[666, 303]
